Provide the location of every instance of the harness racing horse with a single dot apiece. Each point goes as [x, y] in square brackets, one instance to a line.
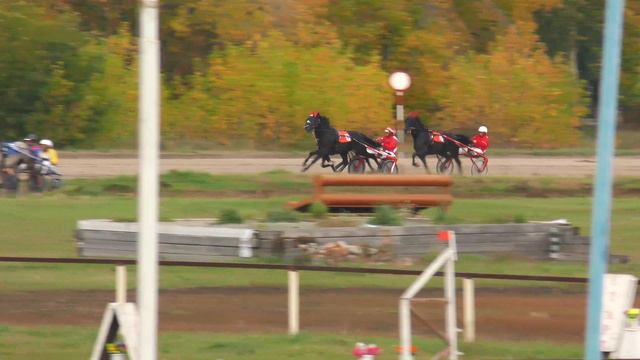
[330, 141]
[426, 142]
[16, 157]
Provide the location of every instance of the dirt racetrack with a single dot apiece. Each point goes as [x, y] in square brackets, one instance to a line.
[525, 314]
[91, 166]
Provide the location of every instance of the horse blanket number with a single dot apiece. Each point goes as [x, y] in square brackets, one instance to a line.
[437, 137]
[343, 136]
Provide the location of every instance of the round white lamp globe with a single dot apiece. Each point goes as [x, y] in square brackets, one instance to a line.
[400, 81]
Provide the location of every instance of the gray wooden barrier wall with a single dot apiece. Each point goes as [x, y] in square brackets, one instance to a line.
[103, 238]
[100, 238]
[530, 240]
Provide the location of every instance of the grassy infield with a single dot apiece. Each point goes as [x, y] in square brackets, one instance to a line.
[43, 226]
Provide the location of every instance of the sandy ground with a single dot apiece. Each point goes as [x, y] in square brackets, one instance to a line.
[100, 166]
[532, 314]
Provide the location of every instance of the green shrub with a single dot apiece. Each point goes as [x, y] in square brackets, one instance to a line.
[519, 219]
[118, 188]
[283, 216]
[230, 216]
[440, 217]
[386, 215]
[318, 210]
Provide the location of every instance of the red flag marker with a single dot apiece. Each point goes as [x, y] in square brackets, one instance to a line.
[443, 235]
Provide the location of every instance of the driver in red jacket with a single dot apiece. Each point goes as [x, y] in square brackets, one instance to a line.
[389, 141]
[480, 141]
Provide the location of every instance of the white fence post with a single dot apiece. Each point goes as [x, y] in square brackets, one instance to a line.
[294, 302]
[450, 315]
[404, 314]
[121, 284]
[469, 310]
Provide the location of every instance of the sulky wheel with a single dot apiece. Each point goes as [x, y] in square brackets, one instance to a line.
[444, 165]
[357, 166]
[389, 167]
[479, 166]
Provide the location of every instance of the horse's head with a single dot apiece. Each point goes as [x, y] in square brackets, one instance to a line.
[314, 120]
[412, 122]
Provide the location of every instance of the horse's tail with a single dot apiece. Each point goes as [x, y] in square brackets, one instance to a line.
[364, 139]
[459, 138]
[463, 139]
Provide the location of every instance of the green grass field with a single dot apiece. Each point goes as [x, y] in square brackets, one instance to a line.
[62, 343]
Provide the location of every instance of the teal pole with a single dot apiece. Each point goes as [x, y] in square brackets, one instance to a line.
[601, 207]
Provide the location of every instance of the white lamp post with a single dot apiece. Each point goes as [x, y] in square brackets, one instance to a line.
[399, 81]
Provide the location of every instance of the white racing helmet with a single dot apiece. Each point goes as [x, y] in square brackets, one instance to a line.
[390, 130]
[483, 129]
[46, 142]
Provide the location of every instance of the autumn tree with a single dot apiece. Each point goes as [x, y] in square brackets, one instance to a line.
[265, 89]
[111, 102]
[523, 96]
[44, 71]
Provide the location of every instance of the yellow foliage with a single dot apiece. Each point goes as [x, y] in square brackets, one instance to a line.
[261, 93]
[524, 97]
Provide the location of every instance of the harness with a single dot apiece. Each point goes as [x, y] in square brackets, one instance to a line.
[343, 136]
[437, 137]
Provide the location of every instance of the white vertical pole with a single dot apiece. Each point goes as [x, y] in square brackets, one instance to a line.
[450, 315]
[294, 302]
[469, 310]
[148, 148]
[121, 284]
[404, 313]
[399, 115]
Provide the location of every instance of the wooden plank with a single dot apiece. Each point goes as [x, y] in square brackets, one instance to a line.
[341, 232]
[500, 228]
[365, 200]
[106, 235]
[420, 230]
[166, 248]
[162, 256]
[172, 229]
[162, 238]
[383, 180]
[418, 250]
[502, 238]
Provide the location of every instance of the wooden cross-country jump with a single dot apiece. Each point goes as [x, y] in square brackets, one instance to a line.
[416, 191]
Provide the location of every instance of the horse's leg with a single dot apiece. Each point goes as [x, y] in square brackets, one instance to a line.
[327, 162]
[423, 158]
[413, 159]
[457, 159]
[315, 159]
[343, 164]
[311, 153]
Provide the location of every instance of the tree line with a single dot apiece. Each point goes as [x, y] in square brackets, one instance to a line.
[247, 72]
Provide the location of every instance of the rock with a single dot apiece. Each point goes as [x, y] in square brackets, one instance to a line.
[355, 250]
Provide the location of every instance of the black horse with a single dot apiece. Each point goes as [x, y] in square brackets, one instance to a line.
[328, 140]
[424, 143]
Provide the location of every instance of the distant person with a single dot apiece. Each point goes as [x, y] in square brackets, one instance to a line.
[32, 141]
[480, 141]
[27, 149]
[49, 156]
[389, 141]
